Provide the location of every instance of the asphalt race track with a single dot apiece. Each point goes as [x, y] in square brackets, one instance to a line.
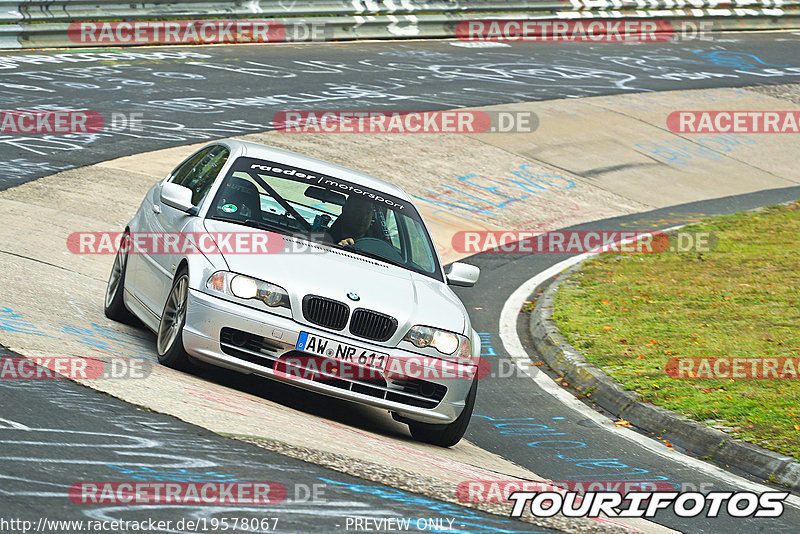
[191, 94]
[71, 430]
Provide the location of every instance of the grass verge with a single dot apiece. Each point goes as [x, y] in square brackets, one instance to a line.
[630, 314]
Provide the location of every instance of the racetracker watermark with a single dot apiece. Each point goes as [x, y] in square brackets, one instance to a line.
[498, 491]
[648, 503]
[578, 242]
[73, 368]
[405, 122]
[177, 493]
[155, 243]
[376, 366]
[197, 32]
[50, 122]
[734, 368]
[743, 122]
[201, 524]
[66, 122]
[582, 31]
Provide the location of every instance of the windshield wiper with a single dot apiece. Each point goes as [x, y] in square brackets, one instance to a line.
[254, 223]
[372, 255]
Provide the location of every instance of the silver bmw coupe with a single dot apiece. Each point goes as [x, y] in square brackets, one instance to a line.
[265, 261]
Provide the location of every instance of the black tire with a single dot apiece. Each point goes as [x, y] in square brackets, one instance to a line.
[451, 433]
[169, 337]
[114, 306]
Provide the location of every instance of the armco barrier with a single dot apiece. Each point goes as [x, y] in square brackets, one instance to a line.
[36, 24]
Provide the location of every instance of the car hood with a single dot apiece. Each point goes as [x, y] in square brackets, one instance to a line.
[409, 297]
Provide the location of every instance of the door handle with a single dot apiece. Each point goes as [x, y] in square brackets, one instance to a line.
[156, 209]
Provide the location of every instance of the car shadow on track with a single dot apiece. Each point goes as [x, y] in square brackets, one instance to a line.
[341, 411]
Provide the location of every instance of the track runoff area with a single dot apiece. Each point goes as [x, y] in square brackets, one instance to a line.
[607, 472]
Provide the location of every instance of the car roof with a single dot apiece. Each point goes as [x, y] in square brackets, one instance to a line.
[287, 157]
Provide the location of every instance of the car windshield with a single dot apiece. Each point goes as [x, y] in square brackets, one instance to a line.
[325, 209]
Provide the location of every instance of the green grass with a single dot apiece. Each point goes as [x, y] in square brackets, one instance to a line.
[629, 314]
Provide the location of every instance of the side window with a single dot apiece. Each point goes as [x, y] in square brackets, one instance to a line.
[421, 254]
[391, 227]
[200, 171]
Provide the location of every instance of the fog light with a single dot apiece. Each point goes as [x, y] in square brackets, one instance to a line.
[427, 389]
[239, 338]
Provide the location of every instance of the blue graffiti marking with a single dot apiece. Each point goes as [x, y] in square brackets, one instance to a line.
[683, 152]
[486, 344]
[145, 473]
[112, 341]
[735, 60]
[13, 322]
[485, 195]
[523, 426]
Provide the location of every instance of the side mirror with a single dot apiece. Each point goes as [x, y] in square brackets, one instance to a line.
[462, 274]
[177, 196]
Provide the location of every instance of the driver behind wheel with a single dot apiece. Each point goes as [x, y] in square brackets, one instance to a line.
[354, 221]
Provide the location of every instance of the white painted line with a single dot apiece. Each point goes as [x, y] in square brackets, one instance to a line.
[12, 424]
[513, 347]
[479, 44]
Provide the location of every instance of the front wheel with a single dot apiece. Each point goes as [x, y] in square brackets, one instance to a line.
[451, 433]
[169, 342]
[114, 307]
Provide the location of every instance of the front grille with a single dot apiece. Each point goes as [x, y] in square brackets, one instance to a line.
[300, 365]
[331, 372]
[325, 312]
[372, 325]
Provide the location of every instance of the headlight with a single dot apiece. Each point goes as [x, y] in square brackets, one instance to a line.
[247, 288]
[445, 342]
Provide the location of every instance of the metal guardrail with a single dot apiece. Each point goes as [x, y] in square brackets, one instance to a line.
[64, 11]
[37, 23]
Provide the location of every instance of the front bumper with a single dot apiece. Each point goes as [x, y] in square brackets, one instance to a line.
[277, 336]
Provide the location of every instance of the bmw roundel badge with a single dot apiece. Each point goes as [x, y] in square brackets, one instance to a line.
[353, 296]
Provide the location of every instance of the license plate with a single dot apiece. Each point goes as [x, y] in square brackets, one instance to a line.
[344, 352]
